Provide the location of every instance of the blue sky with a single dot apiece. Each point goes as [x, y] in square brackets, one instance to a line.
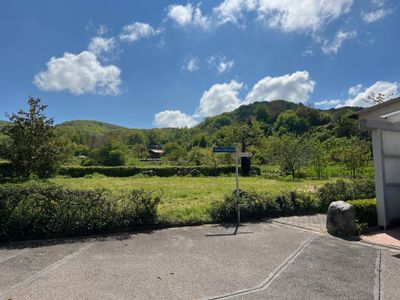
[147, 64]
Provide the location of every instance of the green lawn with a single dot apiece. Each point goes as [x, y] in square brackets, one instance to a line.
[187, 199]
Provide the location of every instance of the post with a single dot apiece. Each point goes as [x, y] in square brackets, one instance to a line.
[237, 190]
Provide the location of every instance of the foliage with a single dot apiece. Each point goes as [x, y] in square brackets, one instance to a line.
[50, 210]
[366, 214]
[33, 149]
[355, 154]
[126, 171]
[319, 157]
[255, 206]
[290, 122]
[345, 190]
[289, 152]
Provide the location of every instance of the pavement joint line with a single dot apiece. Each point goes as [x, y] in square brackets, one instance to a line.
[378, 276]
[297, 226]
[263, 285]
[12, 256]
[48, 268]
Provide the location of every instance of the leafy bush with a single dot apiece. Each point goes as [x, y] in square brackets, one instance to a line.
[366, 214]
[50, 210]
[345, 190]
[255, 206]
[125, 171]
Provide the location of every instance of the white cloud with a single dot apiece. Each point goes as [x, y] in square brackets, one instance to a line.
[221, 97]
[192, 64]
[224, 97]
[389, 89]
[136, 31]
[220, 63]
[373, 16]
[301, 16]
[328, 103]
[173, 118]
[295, 87]
[79, 74]
[232, 11]
[334, 46]
[99, 45]
[187, 15]
[286, 15]
[354, 90]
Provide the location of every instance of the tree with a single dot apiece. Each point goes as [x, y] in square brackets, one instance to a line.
[33, 148]
[320, 157]
[248, 134]
[112, 153]
[377, 98]
[290, 122]
[355, 154]
[289, 152]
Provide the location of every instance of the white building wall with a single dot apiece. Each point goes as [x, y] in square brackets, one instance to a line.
[386, 146]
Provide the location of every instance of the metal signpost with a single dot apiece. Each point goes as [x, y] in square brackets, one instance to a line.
[237, 155]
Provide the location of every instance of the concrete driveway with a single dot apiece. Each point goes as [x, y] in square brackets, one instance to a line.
[277, 260]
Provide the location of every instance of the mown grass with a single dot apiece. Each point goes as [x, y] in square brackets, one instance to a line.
[187, 199]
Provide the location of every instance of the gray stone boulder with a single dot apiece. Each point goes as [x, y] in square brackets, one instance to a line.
[341, 219]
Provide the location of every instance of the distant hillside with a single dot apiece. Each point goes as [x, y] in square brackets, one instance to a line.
[280, 116]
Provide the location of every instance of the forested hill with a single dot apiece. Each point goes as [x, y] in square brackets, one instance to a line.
[276, 116]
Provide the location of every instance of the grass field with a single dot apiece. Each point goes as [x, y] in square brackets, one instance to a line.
[188, 199]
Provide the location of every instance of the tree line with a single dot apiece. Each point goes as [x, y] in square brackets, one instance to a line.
[281, 133]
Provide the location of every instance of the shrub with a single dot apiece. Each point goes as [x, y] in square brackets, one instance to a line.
[38, 211]
[366, 214]
[255, 206]
[345, 190]
[126, 171]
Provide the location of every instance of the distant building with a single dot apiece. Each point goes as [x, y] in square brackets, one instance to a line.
[155, 153]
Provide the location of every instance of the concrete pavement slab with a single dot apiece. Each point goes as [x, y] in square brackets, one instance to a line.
[180, 263]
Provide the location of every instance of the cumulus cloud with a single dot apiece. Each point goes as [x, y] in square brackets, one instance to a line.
[136, 31]
[79, 74]
[174, 119]
[389, 89]
[286, 15]
[358, 95]
[301, 16]
[221, 97]
[192, 64]
[295, 87]
[100, 45]
[354, 90]
[332, 47]
[187, 15]
[224, 97]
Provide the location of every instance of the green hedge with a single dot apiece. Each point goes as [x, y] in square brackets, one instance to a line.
[39, 211]
[345, 190]
[255, 206]
[366, 213]
[126, 171]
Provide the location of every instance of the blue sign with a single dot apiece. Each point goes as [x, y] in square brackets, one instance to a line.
[224, 149]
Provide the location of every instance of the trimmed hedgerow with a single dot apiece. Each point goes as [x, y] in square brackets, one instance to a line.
[126, 171]
[366, 214]
[38, 211]
[345, 190]
[256, 206]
